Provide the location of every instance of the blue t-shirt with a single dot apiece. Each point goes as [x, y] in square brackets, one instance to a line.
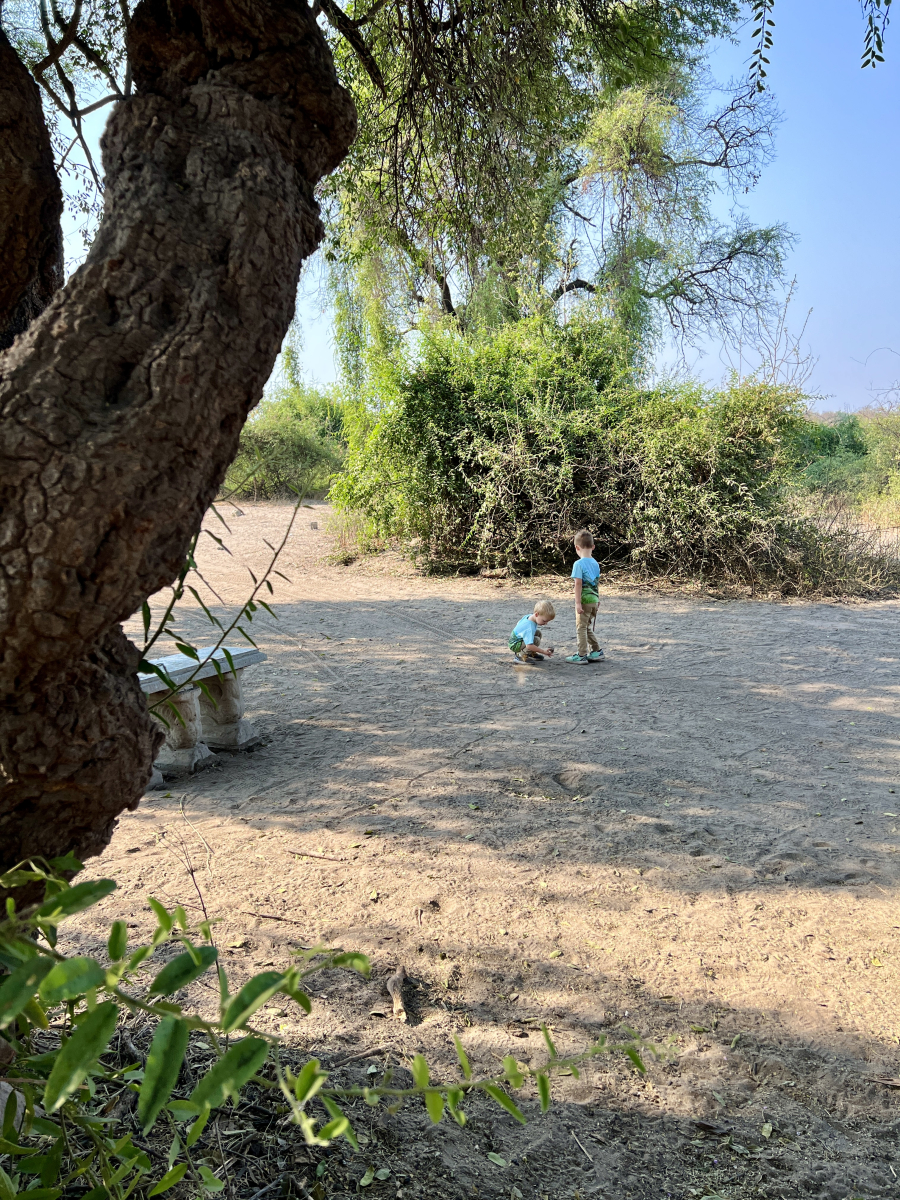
[588, 571]
[526, 629]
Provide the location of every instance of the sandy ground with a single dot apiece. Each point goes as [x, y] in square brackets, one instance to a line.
[696, 839]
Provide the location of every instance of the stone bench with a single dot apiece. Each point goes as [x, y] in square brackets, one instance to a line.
[207, 727]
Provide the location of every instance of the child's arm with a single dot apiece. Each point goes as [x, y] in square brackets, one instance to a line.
[578, 605]
[534, 648]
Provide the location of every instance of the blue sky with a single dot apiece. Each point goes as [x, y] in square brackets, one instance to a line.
[835, 183]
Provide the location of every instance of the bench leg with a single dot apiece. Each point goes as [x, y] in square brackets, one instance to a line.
[224, 726]
[184, 750]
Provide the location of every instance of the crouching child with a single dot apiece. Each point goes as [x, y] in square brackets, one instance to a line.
[525, 639]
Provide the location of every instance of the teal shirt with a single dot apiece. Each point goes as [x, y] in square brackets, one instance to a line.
[588, 571]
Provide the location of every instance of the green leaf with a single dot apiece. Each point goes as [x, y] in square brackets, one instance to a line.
[66, 862]
[211, 1183]
[165, 921]
[309, 1081]
[11, 1148]
[549, 1040]
[70, 979]
[300, 998]
[52, 1163]
[384, 1173]
[182, 970]
[230, 1073]
[434, 1104]
[253, 995]
[169, 1180]
[497, 1158]
[45, 1128]
[636, 1059]
[512, 1071]
[7, 1190]
[163, 1064]
[79, 1054]
[117, 943]
[353, 962]
[498, 1094]
[75, 899]
[138, 957]
[332, 1130]
[463, 1058]
[10, 1112]
[36, 1015]
[367, 1177]
[420, 1071]
[335, 1112]
[182, 1110]
[543, 1087]
[20, 986]
[197, 1128]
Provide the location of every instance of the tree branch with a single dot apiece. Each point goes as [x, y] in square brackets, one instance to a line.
[573, 285]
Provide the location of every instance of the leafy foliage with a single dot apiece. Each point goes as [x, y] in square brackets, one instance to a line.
[79, 1140]
[493, 452]
[292, 445]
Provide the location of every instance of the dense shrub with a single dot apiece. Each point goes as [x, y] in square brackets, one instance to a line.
[493, 453]
[292, 445]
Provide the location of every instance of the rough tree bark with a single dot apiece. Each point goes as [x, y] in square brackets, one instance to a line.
[121, 406]
[31, 259]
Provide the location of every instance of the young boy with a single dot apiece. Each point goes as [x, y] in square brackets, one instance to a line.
[586, 574]
[525, 639]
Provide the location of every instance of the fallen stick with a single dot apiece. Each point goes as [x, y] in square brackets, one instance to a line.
[311, 854]
[395, 988]
[272, 917]
[362, 1054]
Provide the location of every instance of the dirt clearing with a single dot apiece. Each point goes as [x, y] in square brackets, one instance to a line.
[696, 839]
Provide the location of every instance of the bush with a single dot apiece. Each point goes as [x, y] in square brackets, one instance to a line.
[835, 457]
[493, 453]
[291, 446]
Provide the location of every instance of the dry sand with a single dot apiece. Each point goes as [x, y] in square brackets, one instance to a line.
[696, 839]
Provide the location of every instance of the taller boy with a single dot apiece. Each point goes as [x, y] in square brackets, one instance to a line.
[586, 574]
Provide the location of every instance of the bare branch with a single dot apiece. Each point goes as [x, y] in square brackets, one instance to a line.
[339, 20]
[573, 285]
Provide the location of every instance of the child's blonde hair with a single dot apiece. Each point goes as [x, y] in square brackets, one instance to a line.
[584, 538]
[544, 608]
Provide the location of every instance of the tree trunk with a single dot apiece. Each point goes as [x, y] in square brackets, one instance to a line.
[121, 406]
[31, 260]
